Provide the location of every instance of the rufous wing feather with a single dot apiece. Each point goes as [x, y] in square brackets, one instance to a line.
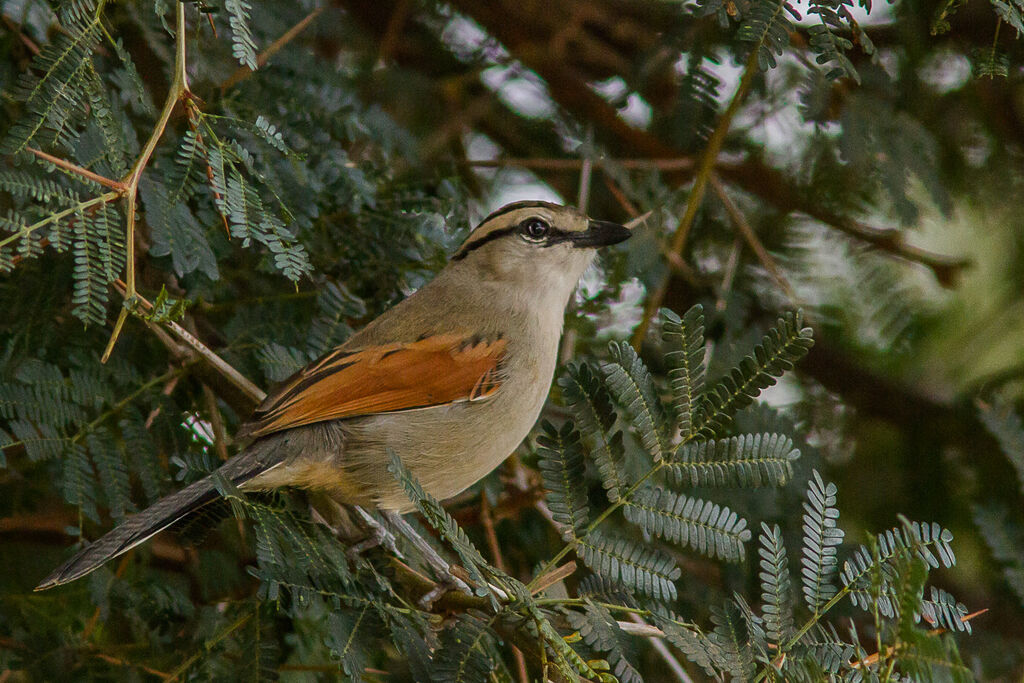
[430, 372]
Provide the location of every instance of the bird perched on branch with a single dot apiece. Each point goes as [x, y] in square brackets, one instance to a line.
[451, 380]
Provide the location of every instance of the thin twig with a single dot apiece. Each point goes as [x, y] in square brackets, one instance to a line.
[178, 91]
[117, 661]
[220, 441]
[655, 636]
[53, 218]
[487, 521]
[700, 181]
[236, 378]
[620, 196]
[729, 276]
[15, 27]
[552, 577]
[78, 170]
[243, 71]
[556, 164]
[396, 23]
[748, 234]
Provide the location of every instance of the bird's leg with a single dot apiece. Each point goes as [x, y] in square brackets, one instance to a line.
[379, 535]
[338, 518]
[447, 580]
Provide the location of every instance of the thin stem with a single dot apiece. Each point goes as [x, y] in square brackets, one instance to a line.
[208, 645]
[29, 229]
[117, 407]
[178, 91]
[179, 86]
[655, 635]
[808, 625]
[571, 545]
[700, 183]
[243, 71]
[572, 165]
[78, 170]
[748, 234]
[236, 378]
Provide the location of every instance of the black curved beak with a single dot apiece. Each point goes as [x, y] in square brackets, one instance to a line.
[601, 234]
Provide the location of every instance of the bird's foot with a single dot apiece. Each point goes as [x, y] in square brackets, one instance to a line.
[447, 582]
[379, 536]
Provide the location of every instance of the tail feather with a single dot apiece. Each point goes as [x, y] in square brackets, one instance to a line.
[141, 527]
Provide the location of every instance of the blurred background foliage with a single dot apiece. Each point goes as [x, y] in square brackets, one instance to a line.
[315, 162]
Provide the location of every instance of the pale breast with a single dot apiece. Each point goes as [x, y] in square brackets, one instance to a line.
[448, 449]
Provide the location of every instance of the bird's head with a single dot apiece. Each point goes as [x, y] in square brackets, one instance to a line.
[537, 245]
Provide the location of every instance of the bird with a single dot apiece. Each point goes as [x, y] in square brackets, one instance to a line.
[451, 379]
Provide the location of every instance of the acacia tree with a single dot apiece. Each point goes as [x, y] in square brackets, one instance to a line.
[199, 198]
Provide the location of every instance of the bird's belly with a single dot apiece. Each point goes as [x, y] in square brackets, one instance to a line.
[447, 449]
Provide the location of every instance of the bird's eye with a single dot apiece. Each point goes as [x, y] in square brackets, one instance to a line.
[535, 228]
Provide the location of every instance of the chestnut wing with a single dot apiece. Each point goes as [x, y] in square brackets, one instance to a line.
[433, 371]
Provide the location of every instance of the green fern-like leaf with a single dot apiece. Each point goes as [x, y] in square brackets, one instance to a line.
[647, 570]
[732, 637]
[599, 630]
[591, 406]
[1010, 11]
[990, 62]
[768, 28]
[291, 551]
[821, 538]
[783, 346]
[249, 219]
[41, 440]
[40, 395]
[80, 481]
[166, 308]
[93, 266]
[56, 99]
[1005, 540]
[775, 584]
[280, 362]
[710, 529]
[689, 639]
[869, 573]
[337, 305]
[25, 185]
[942, 610]
[112, 471]
[464, 655]
[562, 469]
[748, 460]
[927, 657]
[105, 123]
[189, 168]
[630, 382]
[243, 47]
[139, 445]
[830, 47]
[176, 232]
[348, 633]
[685, 337]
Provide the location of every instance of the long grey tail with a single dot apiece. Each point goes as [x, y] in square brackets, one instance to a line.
[144, 525]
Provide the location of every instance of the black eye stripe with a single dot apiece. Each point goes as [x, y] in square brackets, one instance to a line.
[554, 236]
[481, 241]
